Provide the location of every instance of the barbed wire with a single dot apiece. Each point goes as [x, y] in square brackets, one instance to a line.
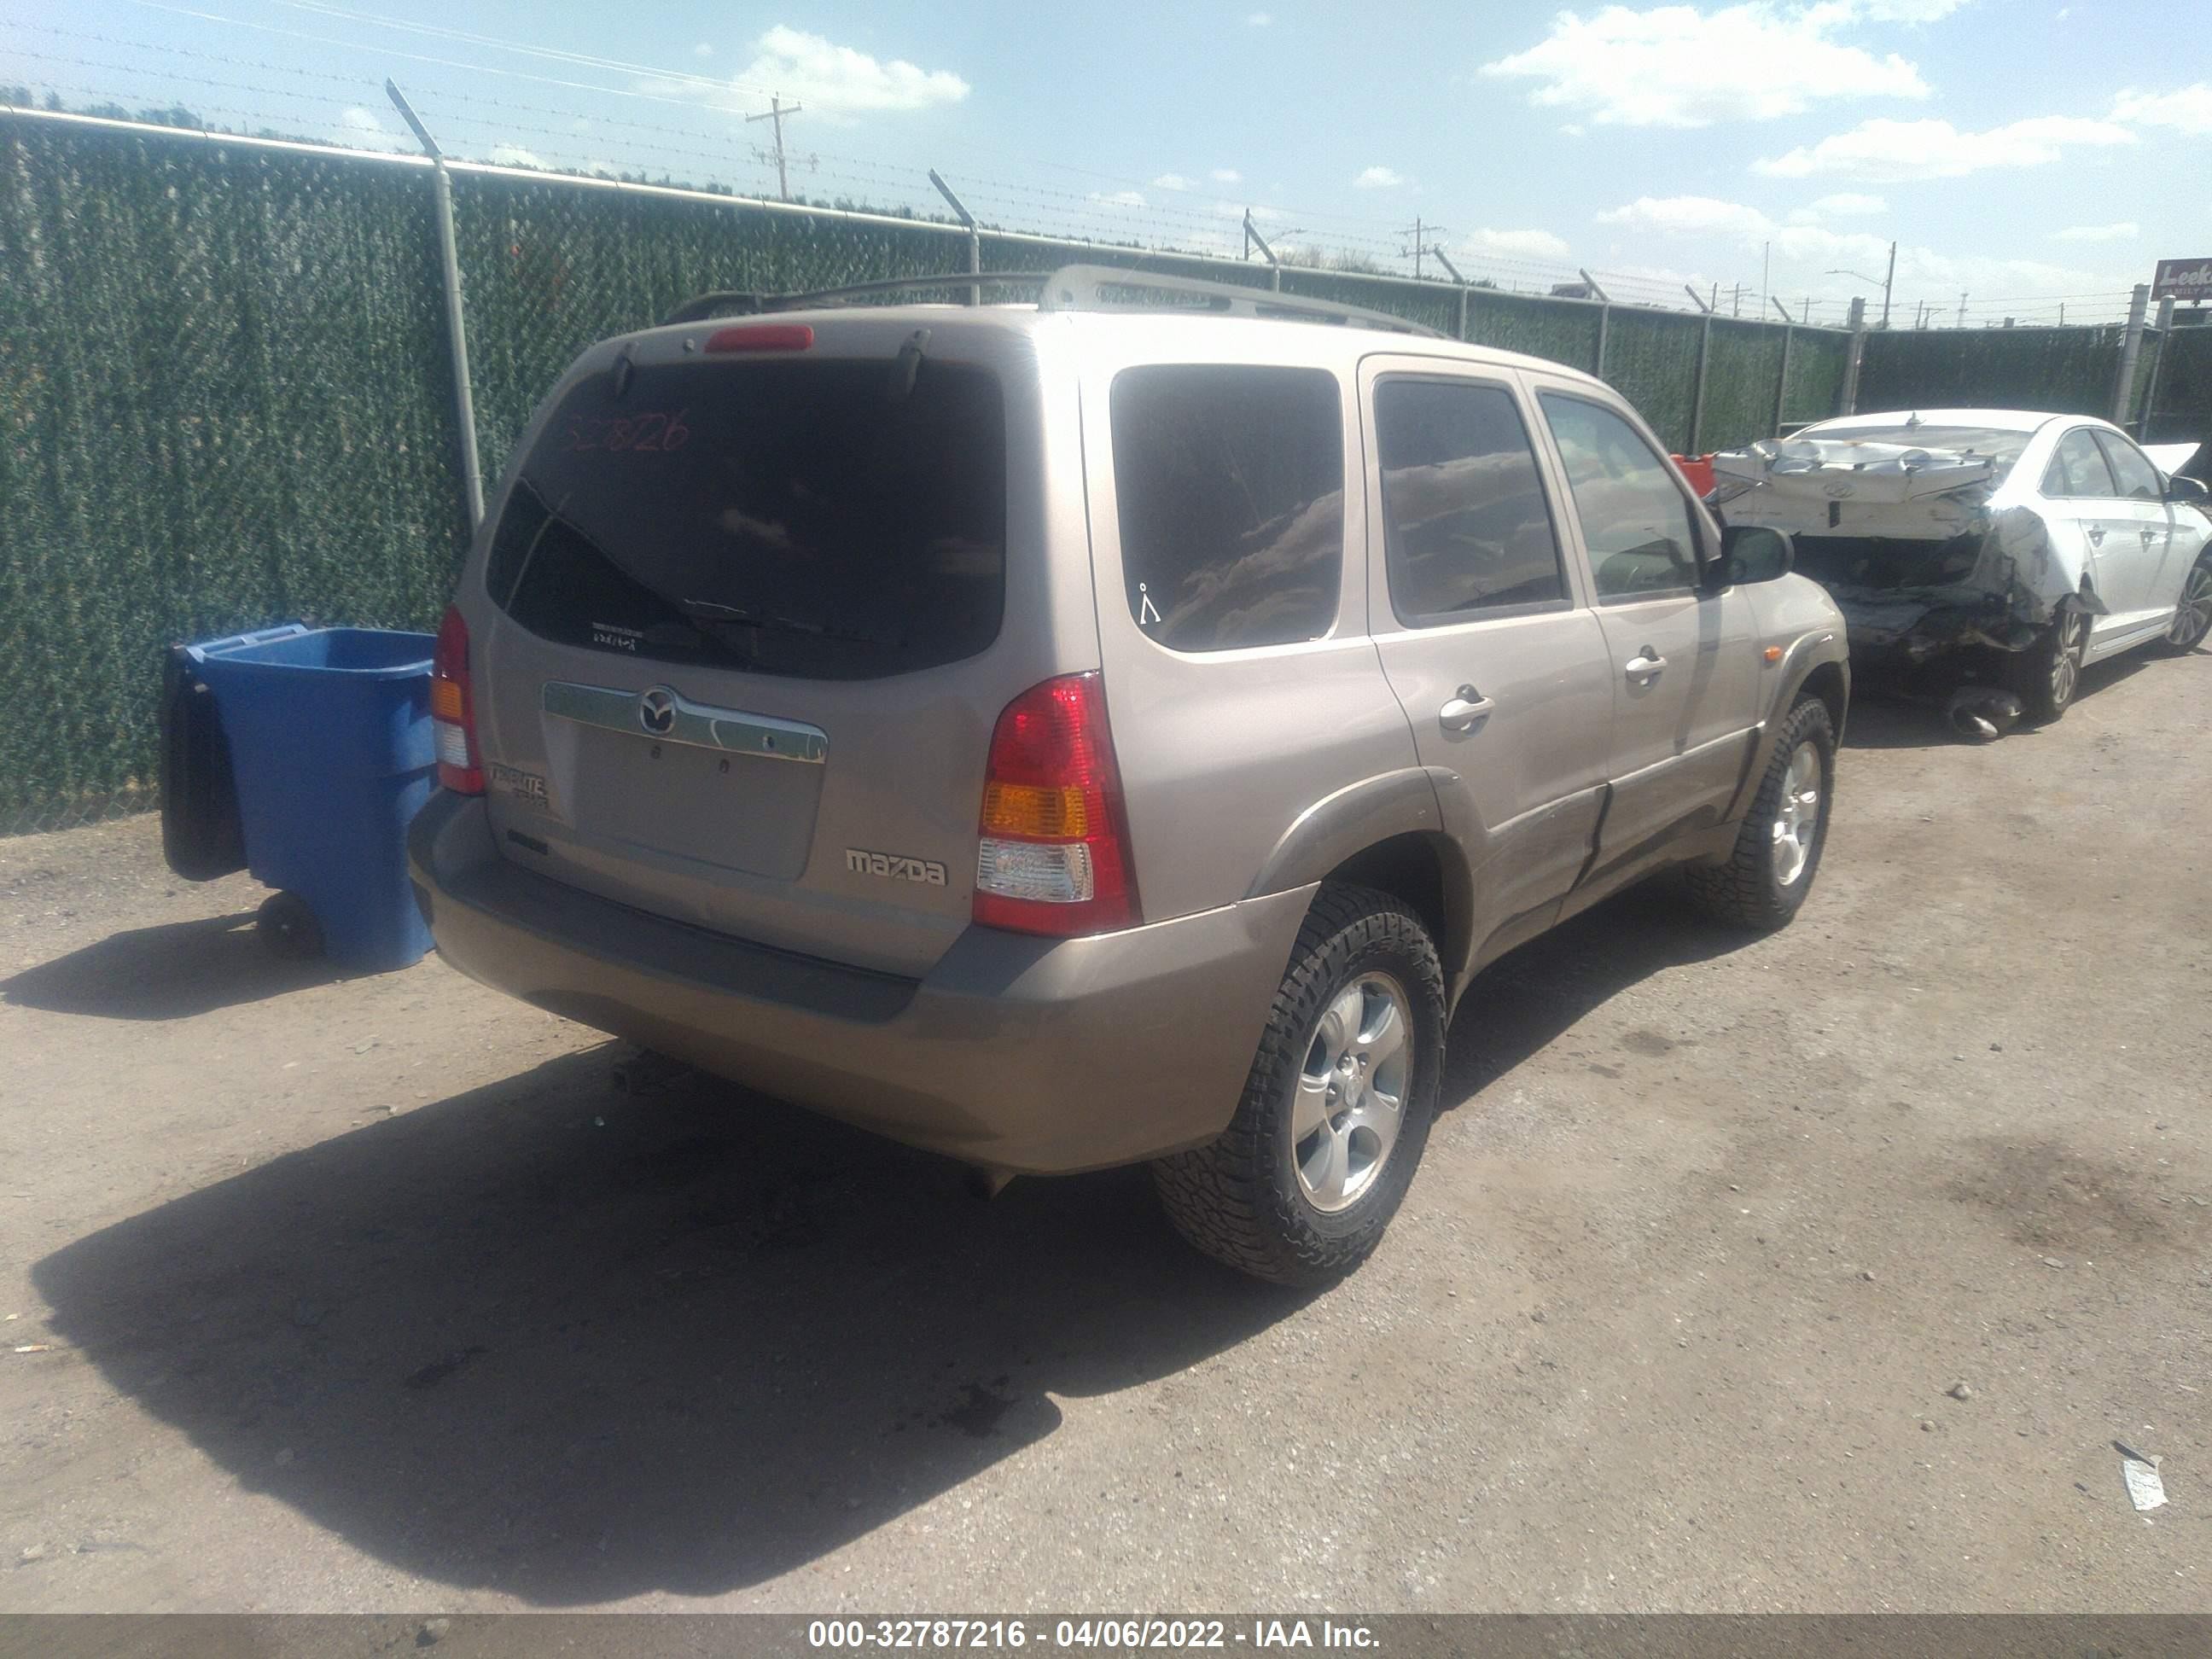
[1166, 216]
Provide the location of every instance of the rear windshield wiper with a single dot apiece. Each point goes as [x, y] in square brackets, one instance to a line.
[710, 613]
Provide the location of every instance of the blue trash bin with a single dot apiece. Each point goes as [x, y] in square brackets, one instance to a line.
[330, 741]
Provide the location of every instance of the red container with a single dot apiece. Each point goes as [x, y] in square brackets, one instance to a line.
[1699, 469]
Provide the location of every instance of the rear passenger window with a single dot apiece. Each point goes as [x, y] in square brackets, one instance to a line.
[1466, 527]
[1231, 481]
[2137, 478]
[2076, 469]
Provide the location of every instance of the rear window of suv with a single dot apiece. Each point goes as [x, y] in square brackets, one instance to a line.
[1230, 481]
[804, 518]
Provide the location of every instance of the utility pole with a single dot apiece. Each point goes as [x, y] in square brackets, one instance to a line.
[1420, 232]
[776, 111]
[1766, 268]
[1962, 310]
[1888, 278]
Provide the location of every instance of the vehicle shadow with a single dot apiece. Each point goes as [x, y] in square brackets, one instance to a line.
[172, 971]
[1530, 996]
[546, 1340]
[1883, 719]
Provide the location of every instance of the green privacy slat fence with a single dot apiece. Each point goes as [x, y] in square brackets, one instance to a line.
[2067, 370]
[1743, 373]
[2184, 410]
[226, 396]
[1817, 361]
[549, 268]
[1651, 356]
[223, 399]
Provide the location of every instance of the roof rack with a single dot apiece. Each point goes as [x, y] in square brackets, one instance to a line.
[1073, 287]
[1086, 287]
[745, 302]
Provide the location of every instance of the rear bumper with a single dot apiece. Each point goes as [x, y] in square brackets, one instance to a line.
[1028, 1055]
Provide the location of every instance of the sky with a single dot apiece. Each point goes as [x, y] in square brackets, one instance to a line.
[2025, 154]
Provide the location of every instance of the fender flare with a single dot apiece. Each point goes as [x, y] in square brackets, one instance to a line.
[1348, 822]
[1811, 650]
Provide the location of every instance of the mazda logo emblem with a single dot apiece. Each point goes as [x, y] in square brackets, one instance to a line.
[656, 711]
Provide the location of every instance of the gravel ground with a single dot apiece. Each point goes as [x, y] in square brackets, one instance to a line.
[375, 1294]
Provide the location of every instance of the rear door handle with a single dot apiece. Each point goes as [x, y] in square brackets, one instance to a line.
[1644, 665]
[2096, 535]
[1467, 707]
[2150, 536]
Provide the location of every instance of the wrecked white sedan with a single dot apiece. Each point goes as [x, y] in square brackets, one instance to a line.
[1989, 546]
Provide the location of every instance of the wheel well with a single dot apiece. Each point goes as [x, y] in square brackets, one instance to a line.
[1825, 682]
[1411, 868]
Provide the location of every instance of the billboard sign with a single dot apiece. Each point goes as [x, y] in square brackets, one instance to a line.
[2185, 281]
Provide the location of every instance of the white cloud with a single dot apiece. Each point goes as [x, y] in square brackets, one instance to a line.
[704, 49]
[1378, 178]
[1806, 256]
[1884, 151]
[1905, 11]
[1120, 198]
[1226, 176]
[361, 129]
[1173, 181]
[1849, 204]
[1259, 20]
[514, 155]
[1690, 215]
[835, 81]
[1515, 244]
[2189, 110]
[2125, 230]
[1676, 66]
[1574, 130]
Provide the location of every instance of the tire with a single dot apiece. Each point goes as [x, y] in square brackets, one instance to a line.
[1250, 1199]
[287, 927]
[2193, 618]
[1765, 881]
[2048, 674]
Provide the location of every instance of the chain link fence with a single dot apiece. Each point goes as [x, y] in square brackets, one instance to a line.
[226, 397]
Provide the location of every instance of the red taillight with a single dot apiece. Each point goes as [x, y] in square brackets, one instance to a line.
[452, 709]
[763, 336]
[1054, 855]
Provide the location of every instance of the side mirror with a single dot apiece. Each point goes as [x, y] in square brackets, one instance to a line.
[2192, 490]
[1752, 553]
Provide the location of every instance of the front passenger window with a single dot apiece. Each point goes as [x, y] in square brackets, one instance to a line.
[1635, 519]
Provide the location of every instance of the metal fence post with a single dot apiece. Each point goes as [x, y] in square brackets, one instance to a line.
[2157, 368]
[1781, 380]
[1697, 385]
[2123, 380]
[974, 237]
[457, 332]
[1848, 396]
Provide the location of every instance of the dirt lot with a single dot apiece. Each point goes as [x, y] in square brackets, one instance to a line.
[375, 1294]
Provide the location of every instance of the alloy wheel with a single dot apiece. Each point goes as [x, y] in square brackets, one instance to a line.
[1351, 1092]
